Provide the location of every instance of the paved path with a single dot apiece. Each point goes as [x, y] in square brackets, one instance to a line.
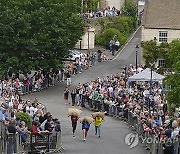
[113, 130]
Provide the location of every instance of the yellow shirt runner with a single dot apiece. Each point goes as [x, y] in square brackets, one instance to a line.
[98, 121]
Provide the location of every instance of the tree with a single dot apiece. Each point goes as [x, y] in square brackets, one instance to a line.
[125, 24]
[130, 8]
[173, 95]
[37, 33]
[108, 34]
[152, 51]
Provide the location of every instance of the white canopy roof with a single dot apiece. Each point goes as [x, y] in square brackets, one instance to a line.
[145, 75]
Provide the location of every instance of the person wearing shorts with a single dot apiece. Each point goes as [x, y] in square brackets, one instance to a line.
[85, 128]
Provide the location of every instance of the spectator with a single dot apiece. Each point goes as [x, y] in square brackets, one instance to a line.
[66, 95]
[11, 138]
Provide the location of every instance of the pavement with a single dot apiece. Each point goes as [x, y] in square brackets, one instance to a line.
[113, 130]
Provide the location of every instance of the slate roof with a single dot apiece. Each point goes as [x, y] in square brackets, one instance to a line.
[164, 14]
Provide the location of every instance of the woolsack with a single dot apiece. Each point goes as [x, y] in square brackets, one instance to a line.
[89, 119]
[94, 115]
[74, 111]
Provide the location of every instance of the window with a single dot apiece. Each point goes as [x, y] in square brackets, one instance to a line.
[161, 63]
[163, 36]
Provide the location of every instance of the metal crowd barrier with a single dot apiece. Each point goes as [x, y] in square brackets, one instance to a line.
[149, 142]
[43, 143]
[3, 137]
[152, 142]
[11, 143]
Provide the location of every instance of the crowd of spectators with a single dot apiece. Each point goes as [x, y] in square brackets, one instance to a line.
[118, 97]
[12, 89]
[41, 80]
[42, 121]
[104, 13]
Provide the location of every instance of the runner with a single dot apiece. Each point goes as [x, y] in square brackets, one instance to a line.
[85, 128]
[97, 123]
[74, 119]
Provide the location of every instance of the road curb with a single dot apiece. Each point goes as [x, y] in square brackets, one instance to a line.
[121, 50]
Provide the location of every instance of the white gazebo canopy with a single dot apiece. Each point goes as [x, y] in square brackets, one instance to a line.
[145, 75]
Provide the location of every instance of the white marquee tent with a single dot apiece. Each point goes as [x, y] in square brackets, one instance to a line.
[145, 75]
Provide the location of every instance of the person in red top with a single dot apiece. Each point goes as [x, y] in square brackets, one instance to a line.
[35, 128]
[74, 119]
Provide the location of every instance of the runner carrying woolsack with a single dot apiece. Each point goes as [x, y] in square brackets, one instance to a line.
[86, 122]
[74, 119]
[98, 122]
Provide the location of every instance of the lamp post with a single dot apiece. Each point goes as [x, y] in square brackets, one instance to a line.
[137, 47]
[80, 43]
[125, 76]
[88, 39]
[151, 64]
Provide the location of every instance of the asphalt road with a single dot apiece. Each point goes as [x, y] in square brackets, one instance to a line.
[113, 131]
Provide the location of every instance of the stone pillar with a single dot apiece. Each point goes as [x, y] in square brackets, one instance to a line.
[87, 41]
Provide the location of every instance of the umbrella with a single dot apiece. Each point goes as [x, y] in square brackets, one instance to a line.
[89, 119]
[95, 114]
[74, 111]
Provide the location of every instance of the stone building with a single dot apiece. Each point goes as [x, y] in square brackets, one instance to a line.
[161, 22]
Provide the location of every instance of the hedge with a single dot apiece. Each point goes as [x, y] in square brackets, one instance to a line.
[103, 40]
[121, 26]
[25, 117]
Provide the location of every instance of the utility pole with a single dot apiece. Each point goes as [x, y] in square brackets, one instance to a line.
[88, 39]
[82, 5]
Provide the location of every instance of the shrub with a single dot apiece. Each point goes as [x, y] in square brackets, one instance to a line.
[25, 117]
[124, 24]
[103, 39]
[121, 26]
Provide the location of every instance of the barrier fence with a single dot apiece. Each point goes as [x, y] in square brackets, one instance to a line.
[36, 143]
[151, 142]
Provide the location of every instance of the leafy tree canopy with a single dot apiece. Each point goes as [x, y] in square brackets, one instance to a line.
[130, 8]
[37, 33]
[173, 95]
[108, 35]
[152, 51]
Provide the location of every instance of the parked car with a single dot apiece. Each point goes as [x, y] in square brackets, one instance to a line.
[74, 54]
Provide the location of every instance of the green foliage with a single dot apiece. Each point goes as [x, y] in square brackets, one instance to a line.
[122, 26]
[174, 55]
[152, 51]
[25, 117]
[103, 40]
[173, 95]
[130, 8]
[37, 33]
